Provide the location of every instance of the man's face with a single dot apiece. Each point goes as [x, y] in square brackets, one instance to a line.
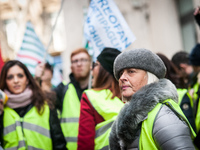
[80, 66]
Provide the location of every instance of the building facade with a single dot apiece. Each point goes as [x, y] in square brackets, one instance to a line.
[164, 26]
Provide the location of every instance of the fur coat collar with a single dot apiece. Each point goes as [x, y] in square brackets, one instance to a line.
[134, 112]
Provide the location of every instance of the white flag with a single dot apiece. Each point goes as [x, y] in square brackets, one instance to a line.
[106, 27]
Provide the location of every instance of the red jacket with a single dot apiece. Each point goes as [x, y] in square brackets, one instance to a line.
[89, 118]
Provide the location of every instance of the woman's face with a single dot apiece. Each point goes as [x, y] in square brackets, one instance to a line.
[16, 80]
[130, 81]
[95, 73]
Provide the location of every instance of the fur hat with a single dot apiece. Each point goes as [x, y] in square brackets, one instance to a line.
[107, 57]
[140, 59]
[194, 56]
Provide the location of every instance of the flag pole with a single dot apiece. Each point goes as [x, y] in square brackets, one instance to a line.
[90, 76]
[50, 40]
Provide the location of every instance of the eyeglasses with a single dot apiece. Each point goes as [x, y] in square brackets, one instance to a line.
[83, 60]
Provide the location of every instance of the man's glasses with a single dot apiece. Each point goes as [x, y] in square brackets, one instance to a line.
[80, 61]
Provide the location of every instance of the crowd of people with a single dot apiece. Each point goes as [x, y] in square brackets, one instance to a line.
[138, 100]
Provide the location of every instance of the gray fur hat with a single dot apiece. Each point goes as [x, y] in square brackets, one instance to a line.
[140, 59]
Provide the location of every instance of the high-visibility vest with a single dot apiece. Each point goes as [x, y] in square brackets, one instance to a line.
[194, 99]
[146, 139]
[197, 118]
[108, 108]
[70, 117]
[181, 93]
[31, 132]
[186, 104]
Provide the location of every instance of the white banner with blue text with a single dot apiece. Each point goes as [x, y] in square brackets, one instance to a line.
[106, 27]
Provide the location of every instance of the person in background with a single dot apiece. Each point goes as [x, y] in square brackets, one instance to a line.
[151, 118]
[99, 105]
[181, 61]
[194, 91]
[172, 72]
[27, 121]
[175, 76]
[43, 76]
[69, 95]
[197, 19]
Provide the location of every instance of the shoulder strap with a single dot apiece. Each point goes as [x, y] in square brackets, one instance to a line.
[65, 89]
[177, 110]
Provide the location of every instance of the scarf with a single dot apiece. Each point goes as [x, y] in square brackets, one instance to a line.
[19, 100]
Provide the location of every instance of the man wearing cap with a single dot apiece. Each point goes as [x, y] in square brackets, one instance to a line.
[151, 118]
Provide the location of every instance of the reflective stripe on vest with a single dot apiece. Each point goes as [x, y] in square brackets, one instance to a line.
[146, 139]
[70, 117]
[108, 108]
[28, 132]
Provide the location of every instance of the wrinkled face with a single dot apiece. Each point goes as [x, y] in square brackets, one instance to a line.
[16, 80]
[80, 66]
[130, 81]
[95, 73]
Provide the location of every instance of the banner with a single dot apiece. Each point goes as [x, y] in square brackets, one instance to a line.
[106, 27]
[32, 51]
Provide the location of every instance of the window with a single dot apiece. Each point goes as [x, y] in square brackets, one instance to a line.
[186, 9]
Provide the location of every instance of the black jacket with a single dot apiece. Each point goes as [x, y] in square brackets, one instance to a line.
[58, 140]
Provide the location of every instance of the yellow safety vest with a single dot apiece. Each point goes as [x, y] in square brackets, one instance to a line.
[146, 139]
[195, 97]
[70, 117]
[29, 132]
[108, 108]
[181, 93]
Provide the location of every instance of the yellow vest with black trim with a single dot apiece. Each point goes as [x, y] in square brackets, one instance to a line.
[70, 117]
[146, 139]
[108, 108]
[195, 97]
[29, 132]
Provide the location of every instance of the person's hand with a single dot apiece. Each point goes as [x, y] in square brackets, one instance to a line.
[1, 106]
[197, 15]
[197, 11]
[39, 70]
